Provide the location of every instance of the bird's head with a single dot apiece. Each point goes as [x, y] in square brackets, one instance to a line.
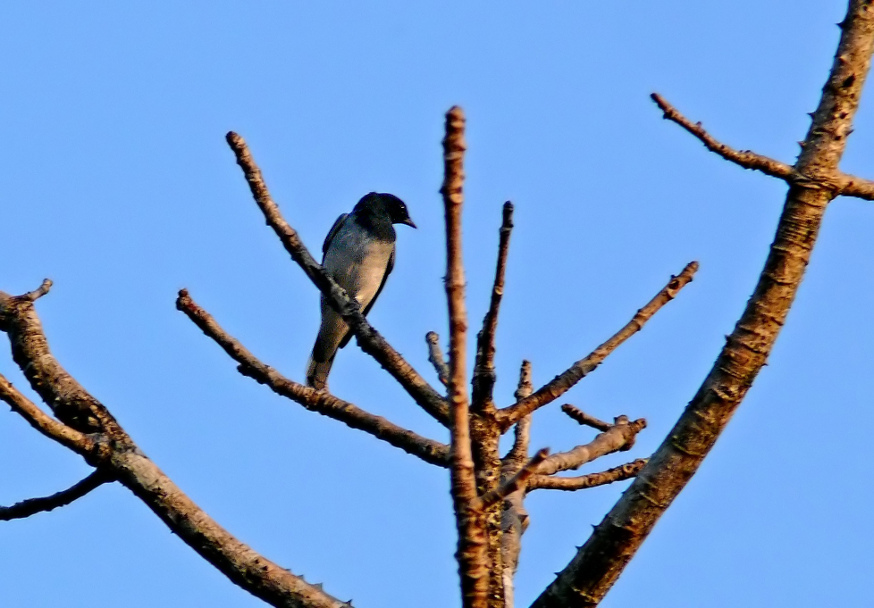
[395, 207]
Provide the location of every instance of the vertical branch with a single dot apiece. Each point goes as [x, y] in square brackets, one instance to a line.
[514, 519]
[484, 368]
[473, 566]
[600, 561]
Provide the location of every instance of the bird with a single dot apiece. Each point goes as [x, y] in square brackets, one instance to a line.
[359, 254]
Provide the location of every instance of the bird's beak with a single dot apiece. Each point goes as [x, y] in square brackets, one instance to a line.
[409, 222]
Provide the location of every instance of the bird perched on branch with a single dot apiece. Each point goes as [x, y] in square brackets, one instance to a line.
[359, 254]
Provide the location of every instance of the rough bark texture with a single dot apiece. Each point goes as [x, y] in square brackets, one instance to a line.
[597, 564]
[472, 541]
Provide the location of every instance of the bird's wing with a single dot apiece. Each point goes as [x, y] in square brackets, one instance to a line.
[388, 269]
[333, 231]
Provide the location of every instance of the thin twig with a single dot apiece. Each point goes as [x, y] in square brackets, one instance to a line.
[581, 482]
[321, 402]
[484, 367]
[435, 356]
[619, 437]
[32, 506]
[369, 339]
[745, 158]
[585, 419]
[841, 183]
[563, 382]
[517, 482]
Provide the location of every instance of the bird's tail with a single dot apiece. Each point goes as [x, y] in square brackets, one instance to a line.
[317, 373]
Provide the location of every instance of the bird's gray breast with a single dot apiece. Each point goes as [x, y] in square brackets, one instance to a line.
[358, 262]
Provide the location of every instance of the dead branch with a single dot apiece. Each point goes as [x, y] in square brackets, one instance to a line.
[32, 506]
[842, 183]
[517, 482]
[581, 482]
[484, 367]
[745, 158]
[369, 339]
[42, 422]
[321, 402]
[522, 435]
[472, 558]
[619, 437]
[119, 457]
[562, 383]
[599, 562]
[585, 419]
[435, 356]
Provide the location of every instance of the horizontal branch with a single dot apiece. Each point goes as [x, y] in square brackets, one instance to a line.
[840, 183]
[32, 506]
[581, 482]
[617, 438]
[321, 402]
[585, 419]
[517, 482]
[564, 382]
[370, 341]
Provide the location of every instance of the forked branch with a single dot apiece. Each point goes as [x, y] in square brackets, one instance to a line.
[581, 482]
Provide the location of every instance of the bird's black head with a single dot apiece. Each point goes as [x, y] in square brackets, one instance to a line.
[380, 202]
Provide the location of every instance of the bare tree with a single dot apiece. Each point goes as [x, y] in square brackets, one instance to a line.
[488, 489]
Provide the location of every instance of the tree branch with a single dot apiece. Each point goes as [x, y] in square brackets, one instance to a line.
[32, 506]
[472, 557]
[517, 482]
[42, 422]
[70, 403]
[118, 455]
[842, 183]
[584, 419]
[435, 356]
[369, 339]
[522, 436]
[314, 400]
[484, 367]
[562, 383]
[619, 437]
[599, 562]
[745, 158]
[581, 482]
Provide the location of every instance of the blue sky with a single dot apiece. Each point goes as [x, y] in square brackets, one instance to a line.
[116, 182]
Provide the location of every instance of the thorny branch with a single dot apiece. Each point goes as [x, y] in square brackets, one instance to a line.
[840, 183]
[600, 561]
[115, 454]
